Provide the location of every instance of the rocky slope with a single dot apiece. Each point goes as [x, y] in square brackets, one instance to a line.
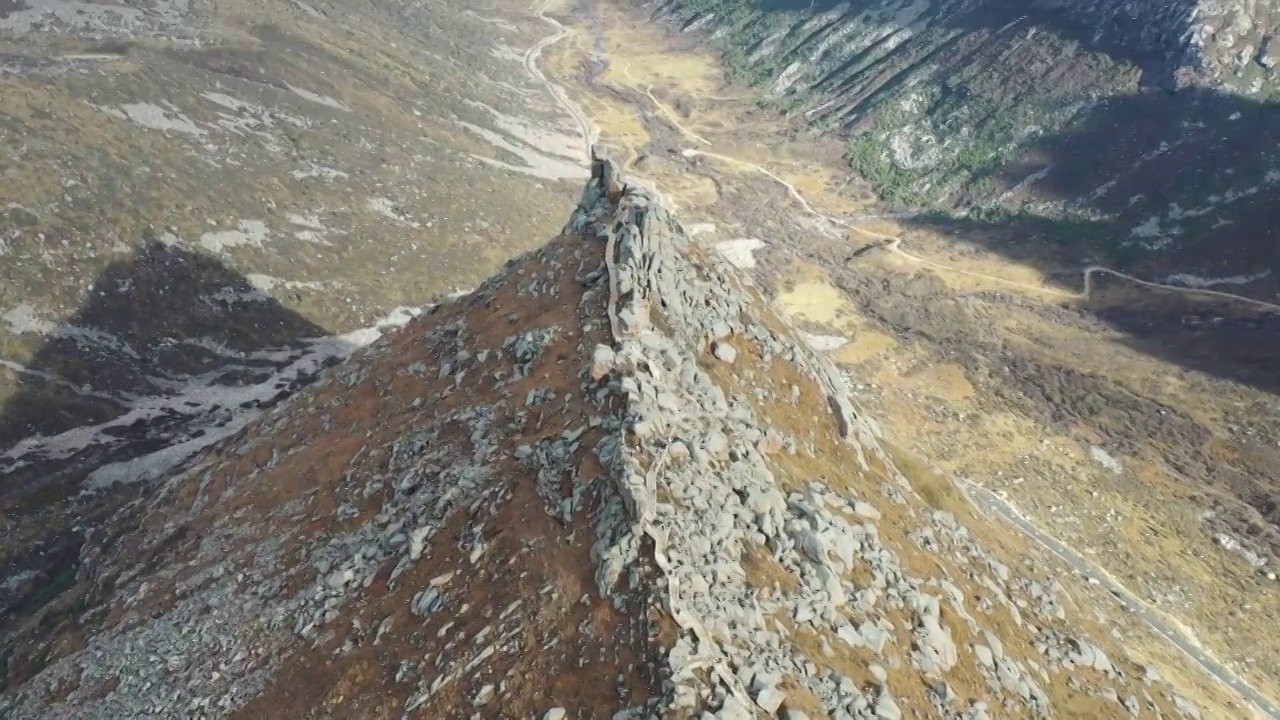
[1142, 134]
[203, 204]
[610, 482]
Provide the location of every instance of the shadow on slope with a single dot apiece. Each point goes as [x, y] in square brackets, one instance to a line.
[162, 337]
[151, 321]
[1150, 37]
[1182, 189]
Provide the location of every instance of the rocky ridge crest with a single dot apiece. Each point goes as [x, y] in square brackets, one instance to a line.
[610, 482]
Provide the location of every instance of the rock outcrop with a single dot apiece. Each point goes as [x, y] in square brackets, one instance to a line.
[610, 482]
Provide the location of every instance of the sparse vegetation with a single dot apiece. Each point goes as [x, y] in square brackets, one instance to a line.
[763, 572]
[939, 492]
[868, 155]
[1081, 237]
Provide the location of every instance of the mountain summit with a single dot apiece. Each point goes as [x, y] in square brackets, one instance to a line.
[610, 482]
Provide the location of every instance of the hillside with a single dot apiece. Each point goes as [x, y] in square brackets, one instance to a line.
[1125, 403]
[610, 480]
[1139, 134]
[613, 476]
[203, 204]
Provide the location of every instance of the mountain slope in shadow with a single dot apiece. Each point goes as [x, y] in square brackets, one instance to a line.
[1179, 188]
[170, 350]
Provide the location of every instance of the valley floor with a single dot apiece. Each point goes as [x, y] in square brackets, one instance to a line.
[1153, 469]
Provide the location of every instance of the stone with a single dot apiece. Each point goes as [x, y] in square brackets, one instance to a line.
[936, 652]
[717, 445]
[633, 319]
[993, 641]
[692, 491]
[769, 444]
[733, 709]
[724, 352]
[866, 510]
[1091, 656]
[770, 699]
[678, 453]
[340, 579]
[427, 602]
[886, 708]
[602, 360]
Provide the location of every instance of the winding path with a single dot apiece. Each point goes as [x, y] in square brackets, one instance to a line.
[998, 505]
[648, 91]
[980, 496]
[1170, 630]
[894, 242]
[531, 57]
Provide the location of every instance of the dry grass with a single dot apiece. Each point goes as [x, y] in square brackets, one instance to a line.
[811, 420]
[764, 572]
[380, 410]
[654, 62]
[810, 298]
[941, 493]
[990, 440]
[798, 698]
[1148, 530]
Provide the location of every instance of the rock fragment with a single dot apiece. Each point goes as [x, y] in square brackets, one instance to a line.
[724, 352]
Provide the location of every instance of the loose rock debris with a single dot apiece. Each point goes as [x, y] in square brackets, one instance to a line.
[610, 483]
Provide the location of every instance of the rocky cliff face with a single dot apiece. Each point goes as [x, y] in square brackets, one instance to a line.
[608, 483]
[1143, 132]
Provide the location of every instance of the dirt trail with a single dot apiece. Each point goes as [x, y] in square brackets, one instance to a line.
[894, 242]
[531, 66]
[648, 91]
[894, 245]
[1168, 628]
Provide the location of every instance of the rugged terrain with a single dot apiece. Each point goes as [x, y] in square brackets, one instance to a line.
[1136, 423]
[202, 204]
[611, 482]
[1141, 133]
[356, 179]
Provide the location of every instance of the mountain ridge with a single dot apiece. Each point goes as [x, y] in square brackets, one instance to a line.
[610, 482]
[614, 480]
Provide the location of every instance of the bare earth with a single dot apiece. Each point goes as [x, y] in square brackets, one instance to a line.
[612, 482]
